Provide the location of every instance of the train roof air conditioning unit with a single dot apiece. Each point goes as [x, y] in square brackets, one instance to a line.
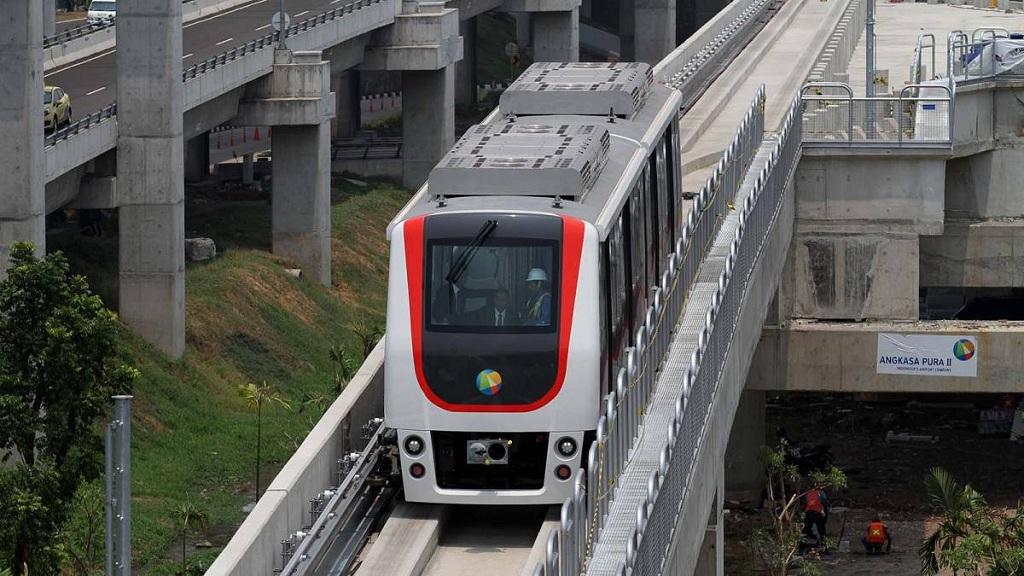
[516, 159]
[579, 88]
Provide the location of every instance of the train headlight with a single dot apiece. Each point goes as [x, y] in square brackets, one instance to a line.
[414, 445]
[566, 446]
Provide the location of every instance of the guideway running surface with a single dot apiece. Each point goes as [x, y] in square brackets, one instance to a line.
[780, 57]
[92, 81]
[486, 540]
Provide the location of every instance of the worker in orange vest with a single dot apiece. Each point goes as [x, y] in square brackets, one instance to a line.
[815, 514]
[878, 534]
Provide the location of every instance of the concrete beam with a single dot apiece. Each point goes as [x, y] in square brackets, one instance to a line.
[428, 122]
[556, 36]
[986, 253]
[150, 172]
[22, 192]
[424, 37]
[842, 356]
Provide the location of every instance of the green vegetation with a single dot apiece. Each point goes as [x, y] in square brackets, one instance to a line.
[58, 368]
[775, 545]
[247, 321]
[970, 537]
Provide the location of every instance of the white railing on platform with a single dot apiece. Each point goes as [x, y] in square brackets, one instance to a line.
[841, 119]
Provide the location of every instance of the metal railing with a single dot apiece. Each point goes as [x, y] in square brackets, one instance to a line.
[647, 551]
[917, 75]
[225, 57]
[583, 515]
[975, 57]
[85, 123]
[905, 120]
[75, 33]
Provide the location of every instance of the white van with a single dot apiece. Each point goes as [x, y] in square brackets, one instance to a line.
[101, 11]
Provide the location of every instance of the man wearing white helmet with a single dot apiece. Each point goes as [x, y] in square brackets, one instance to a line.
[537, 311]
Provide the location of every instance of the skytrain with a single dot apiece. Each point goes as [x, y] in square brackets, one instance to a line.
[519, 276]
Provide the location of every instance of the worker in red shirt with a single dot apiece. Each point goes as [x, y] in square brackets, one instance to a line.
[878, 534]
[815, 514]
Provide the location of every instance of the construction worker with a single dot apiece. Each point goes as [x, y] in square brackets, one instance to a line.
[878, 534]
[815, 514]
[537, 311]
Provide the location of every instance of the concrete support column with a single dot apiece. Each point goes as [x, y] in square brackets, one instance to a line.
[428, 121]
[465, 69]
[711, 561]
[150, 174]
[248, 169]
[49, 17]
[301, 212]
[197, 158]
[22, 188]
[522, 31]
[556, 36]
[743, 469]
[627, 17]
[654, 25]
[346, 121]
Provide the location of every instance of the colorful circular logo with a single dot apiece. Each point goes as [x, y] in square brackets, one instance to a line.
[488, 382]
[963, 349]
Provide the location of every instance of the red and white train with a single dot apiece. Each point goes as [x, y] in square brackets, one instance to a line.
[519, 274]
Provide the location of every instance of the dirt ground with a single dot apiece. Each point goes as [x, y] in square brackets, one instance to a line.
[885, 477]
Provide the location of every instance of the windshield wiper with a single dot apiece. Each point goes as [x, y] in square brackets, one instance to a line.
[462, 262]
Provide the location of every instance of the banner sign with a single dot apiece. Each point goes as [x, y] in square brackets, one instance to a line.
[994, 57]
[927, 355]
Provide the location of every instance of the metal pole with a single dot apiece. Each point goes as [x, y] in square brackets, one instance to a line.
[283, 32]
[869, 25]
[109, 507]
[119, 489]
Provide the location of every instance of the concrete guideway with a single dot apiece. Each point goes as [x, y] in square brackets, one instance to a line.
[780, 57]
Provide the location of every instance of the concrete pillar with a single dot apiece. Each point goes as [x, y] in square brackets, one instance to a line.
[346, 121]
[428, 121]
[49, 17]
[522, 21]
[627, 17]
[150, 174]
[711, 561]
[197, 158]
[301, 212]
[556, 36]
[248, 169]
[654, 25]
[22, 188]
[743, 469]
[465, 69]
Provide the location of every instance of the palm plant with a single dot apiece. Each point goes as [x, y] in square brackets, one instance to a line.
[343, 367]
[255, 397]
[192, 518]
[970, 538]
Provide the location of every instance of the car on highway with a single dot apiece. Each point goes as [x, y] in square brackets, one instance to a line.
[101, 11]
[56, 108]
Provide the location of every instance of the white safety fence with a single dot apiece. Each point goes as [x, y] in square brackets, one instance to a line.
[924, 120]
[584, 515]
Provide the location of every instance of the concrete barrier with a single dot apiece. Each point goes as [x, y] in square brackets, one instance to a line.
[255, 548]
[103, 39]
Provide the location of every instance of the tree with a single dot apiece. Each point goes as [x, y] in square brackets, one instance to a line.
[970, 538]
[192, 519]
[58, 369]
[255, 397]
[343, 368]
[775, 546]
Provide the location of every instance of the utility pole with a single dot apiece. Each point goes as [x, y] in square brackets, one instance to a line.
[283, 28]
[869, 25]
[119, 489]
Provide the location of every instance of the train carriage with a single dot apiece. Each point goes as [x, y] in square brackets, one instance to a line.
[518, 277]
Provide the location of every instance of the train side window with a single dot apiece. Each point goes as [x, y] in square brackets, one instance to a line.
[637, 260]
[665, 208]
[617, 295]
[651, 223]
[675, 178]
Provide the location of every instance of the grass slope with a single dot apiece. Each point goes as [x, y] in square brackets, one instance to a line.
[247, 321]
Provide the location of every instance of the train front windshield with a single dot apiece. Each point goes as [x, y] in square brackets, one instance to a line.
[491, 307]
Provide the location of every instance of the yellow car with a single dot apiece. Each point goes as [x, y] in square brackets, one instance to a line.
[56, 108]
